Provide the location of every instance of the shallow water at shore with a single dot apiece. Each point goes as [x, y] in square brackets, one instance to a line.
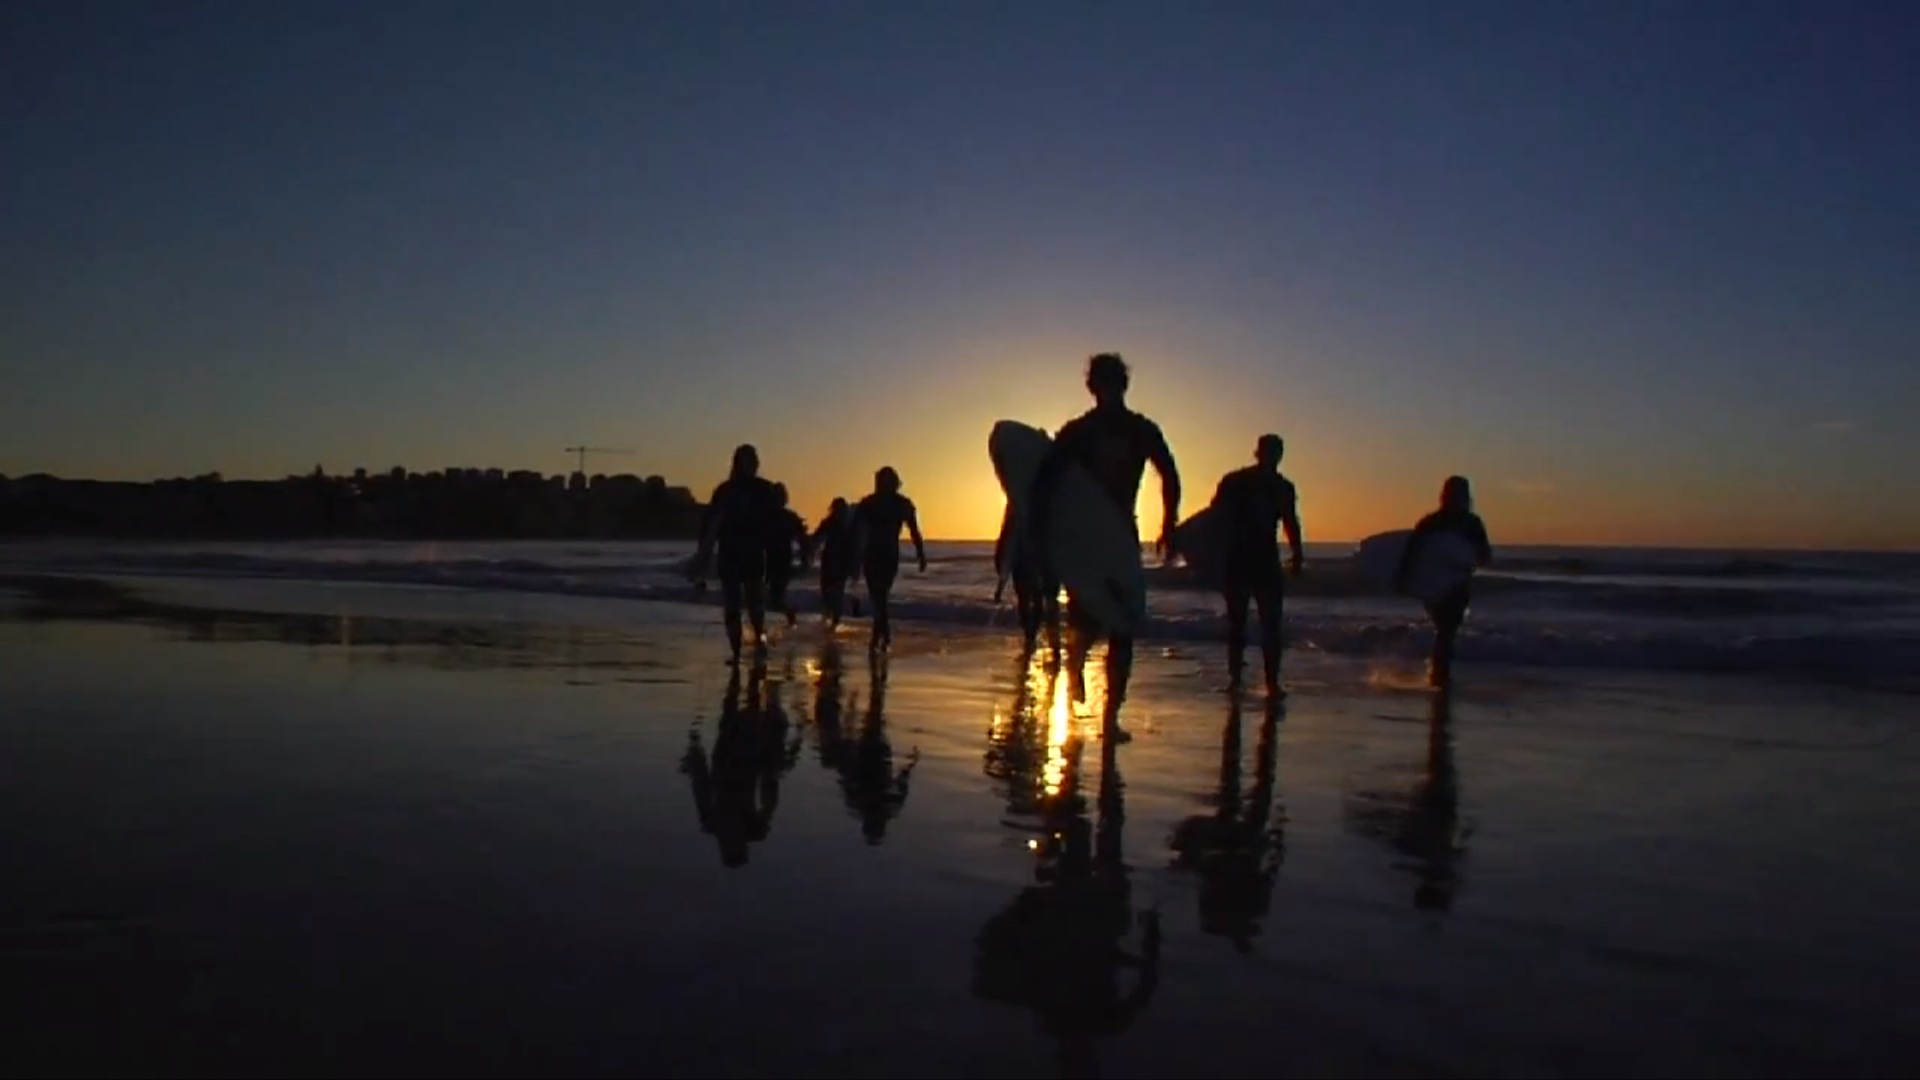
[376, 836]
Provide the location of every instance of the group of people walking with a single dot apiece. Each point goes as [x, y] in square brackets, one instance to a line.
[752, 539]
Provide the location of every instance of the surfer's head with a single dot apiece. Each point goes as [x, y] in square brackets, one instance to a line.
[1269, 450]
[746, 460]
[1456, 494]
[837, 506]
[1107, 377]
[780, 495]
[885, 479]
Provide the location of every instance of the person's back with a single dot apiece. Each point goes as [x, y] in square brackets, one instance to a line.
[833, 539]
[1255, 501]
[883, 514]
[741, 512]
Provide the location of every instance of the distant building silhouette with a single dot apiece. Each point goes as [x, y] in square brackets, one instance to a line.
[452, 503]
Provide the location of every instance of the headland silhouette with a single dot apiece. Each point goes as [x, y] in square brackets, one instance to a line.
[454, 503]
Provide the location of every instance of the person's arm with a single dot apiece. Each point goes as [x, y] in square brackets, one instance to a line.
[1162, 457]
[1290, 522]
[1477, 532]
[913, 530]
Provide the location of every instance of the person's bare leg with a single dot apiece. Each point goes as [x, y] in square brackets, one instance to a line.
[730, 598]
[1119, 673]
[754, 594]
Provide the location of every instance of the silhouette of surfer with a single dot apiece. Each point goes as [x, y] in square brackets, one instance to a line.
[733, 536]
[834, 549]
[1448, 612]
[881, 515]
[1255, 502]
[1035, 594]
[1113, 444]
[786, 541]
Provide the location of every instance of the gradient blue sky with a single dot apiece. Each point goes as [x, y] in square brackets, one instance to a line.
[1646, 272]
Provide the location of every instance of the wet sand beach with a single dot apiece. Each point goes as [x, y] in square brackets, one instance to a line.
[386, 831]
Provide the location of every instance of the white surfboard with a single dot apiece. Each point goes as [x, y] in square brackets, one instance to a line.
[1201, 543]
[1446, 559]
[1091, 543]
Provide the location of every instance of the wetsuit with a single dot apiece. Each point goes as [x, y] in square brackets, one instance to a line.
[786, 533]
[1114, 444]
[1449, 611]
[883, 515]
[1255, 503]
[738, 518]
[833, 543]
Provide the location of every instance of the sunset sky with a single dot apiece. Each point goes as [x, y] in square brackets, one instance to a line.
[1647, 273]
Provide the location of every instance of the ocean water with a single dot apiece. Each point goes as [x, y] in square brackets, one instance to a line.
[1837, 617]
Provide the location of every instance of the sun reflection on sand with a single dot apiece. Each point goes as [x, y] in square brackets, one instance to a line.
[1066, 725]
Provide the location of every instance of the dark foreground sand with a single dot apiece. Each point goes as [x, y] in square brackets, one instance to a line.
[378, 834]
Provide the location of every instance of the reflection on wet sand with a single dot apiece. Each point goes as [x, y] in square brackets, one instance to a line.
[1059, 948]
[1422, 824]
[736, 787]
[873, 785]
[444, 644]
[875, 792]
[1238, 850]
[1028, 745]
[829, 695]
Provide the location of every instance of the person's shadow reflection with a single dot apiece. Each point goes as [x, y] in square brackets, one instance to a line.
[829, 694]
[1239, 849]
[736, 786]
[875, 791]
[1423, 824]
[1060, 947]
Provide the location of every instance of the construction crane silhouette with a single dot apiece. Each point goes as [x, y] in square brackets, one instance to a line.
[581, 453]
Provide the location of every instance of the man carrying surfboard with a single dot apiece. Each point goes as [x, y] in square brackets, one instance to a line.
[1113, 444]
[1256, 503]
[733, 536]
[1449, 610]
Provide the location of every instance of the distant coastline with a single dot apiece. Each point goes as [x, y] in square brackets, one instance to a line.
[447, 504]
